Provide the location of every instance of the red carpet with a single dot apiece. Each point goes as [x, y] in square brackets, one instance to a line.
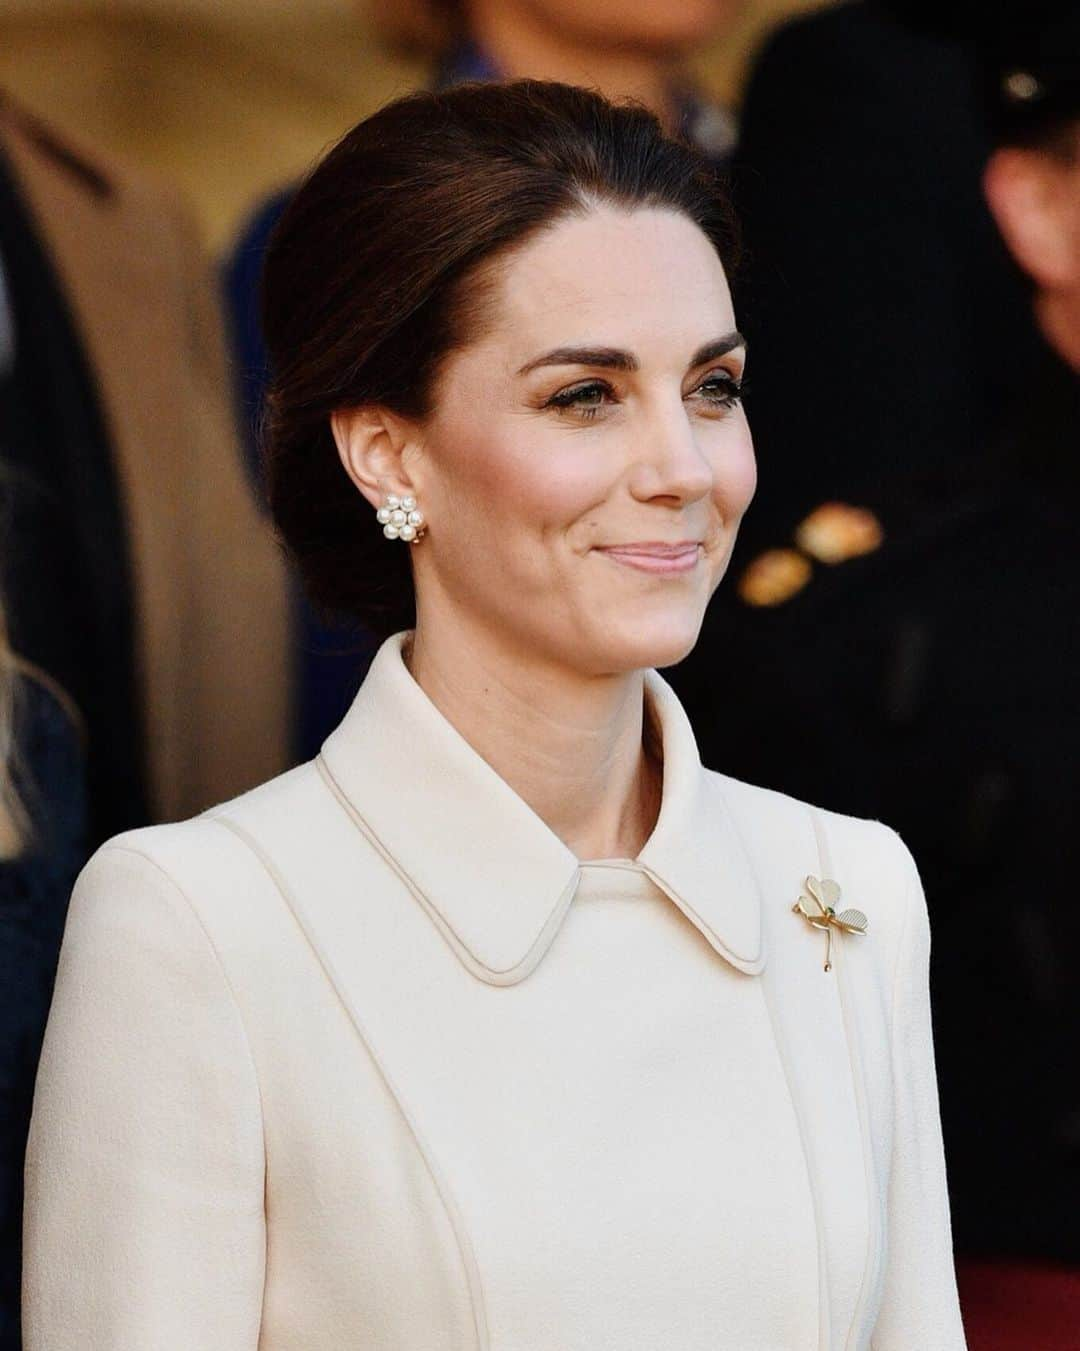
[1013, 1307]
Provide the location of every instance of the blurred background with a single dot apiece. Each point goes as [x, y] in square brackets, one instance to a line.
[229, 99]
[897, 635]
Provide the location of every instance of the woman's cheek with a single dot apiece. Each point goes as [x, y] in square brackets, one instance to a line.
[737, 474]
[556, 483]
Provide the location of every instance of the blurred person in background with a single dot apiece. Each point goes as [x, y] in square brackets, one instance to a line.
[635, 49]
[880, 292]
[1032, 183]
[913, 656]
[143, 593]
[136, 570]
[42, 847]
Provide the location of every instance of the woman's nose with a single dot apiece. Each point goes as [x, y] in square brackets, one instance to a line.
[671, 463]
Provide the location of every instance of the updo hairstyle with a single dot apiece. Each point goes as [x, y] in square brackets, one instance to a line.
[382, 265]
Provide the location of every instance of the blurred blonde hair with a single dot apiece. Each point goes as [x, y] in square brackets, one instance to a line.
[14, 822]
[16, 827]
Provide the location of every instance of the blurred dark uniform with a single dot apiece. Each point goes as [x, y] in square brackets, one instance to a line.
[930, 681]
[932, 684]
[876, 294]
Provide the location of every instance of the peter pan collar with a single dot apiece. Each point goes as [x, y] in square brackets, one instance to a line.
[489, 872]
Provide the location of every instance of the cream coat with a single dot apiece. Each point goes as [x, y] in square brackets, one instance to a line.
[367, 1059]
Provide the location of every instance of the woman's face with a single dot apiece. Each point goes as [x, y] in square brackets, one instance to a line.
[587, 463]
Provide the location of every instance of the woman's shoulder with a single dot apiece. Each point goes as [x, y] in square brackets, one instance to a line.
[209, 867]
[775, 811]
[789, 841]
[867, 857]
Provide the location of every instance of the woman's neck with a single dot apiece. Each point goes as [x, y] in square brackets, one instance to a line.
[569, 745]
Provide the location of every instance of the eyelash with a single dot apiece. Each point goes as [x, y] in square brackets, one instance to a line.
[567, 399]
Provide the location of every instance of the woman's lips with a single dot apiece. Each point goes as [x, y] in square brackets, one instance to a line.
[656, 558]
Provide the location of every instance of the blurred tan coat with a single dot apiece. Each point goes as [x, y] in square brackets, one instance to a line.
[208, 578]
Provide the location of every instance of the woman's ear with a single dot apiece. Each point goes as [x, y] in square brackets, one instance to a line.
[371, 443]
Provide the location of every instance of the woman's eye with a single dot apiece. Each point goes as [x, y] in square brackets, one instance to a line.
[585, 400]
[720, 389]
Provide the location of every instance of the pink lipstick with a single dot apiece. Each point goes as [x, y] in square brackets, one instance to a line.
[658, 558]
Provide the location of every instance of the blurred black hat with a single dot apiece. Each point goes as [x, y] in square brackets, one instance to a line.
[1033, 69]
[1027, 51]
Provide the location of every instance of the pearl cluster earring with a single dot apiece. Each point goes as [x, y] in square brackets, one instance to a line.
[400, 519]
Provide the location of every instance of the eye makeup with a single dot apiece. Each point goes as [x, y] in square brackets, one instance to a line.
[719, 389]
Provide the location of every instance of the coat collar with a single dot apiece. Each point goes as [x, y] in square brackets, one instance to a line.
[491, 875]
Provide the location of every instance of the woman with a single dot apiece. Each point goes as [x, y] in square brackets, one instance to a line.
[495, 1026]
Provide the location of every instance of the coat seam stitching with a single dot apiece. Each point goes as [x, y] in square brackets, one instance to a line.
[234, 1000]
[859, 1086]
[824, 1302]
[824, 1310]
[453, 1214]
[219, 963]
[898, 963]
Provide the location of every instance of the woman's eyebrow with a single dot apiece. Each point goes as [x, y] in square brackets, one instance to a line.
[616, 359]
[612, 358]
[717, 348]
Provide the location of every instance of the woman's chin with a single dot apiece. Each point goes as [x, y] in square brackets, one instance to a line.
[634, 646]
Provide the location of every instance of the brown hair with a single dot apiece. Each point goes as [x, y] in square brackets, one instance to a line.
[377, 272]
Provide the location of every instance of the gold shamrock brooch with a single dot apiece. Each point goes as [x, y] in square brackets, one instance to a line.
[817, 904]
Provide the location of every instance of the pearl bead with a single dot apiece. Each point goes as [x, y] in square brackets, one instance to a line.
[391, 531]
[407, 503]
[397, 517]
[407, 532]
[383, 515]
[392, 500]
[416, 518]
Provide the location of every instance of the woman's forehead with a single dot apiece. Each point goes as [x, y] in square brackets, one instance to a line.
[612, 276]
